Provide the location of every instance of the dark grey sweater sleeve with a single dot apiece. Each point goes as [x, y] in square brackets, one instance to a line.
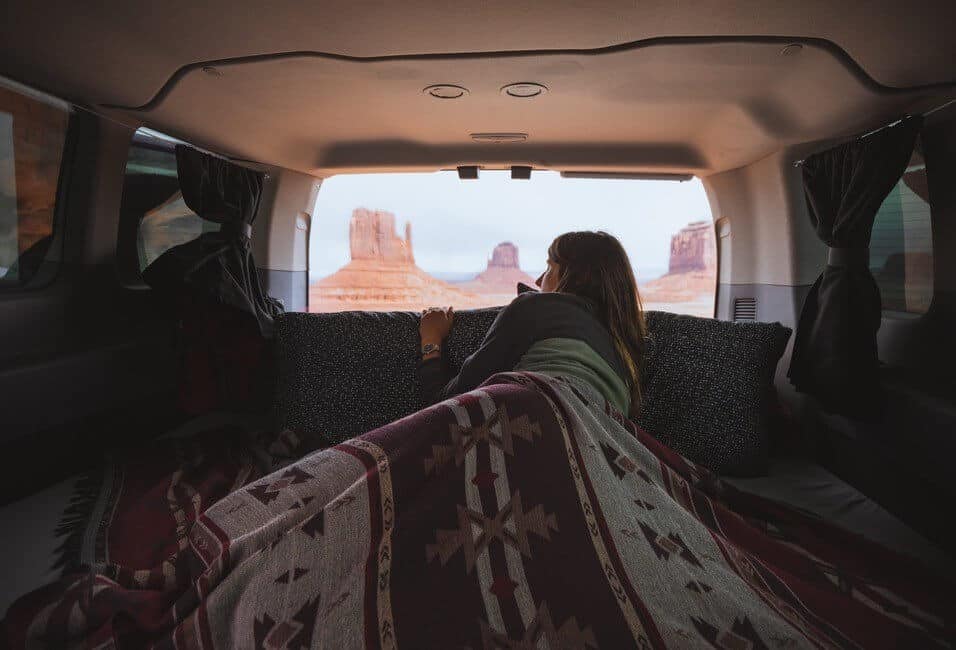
[507, 339]
[432, 377]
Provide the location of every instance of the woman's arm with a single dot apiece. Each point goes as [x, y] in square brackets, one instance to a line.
[433, 330]
[432, 378]
[508, 338]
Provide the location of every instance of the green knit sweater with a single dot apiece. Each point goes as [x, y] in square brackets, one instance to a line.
[572, 357]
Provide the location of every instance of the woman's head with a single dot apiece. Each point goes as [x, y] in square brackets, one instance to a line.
[594, 265]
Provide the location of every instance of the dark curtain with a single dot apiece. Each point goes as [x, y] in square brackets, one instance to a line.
[217, 266]
[834, 354]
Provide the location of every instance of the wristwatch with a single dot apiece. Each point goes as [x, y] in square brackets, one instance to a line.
[429, 348]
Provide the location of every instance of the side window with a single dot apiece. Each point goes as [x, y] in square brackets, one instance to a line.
[901, 247]
[154, 216]
[32, 139]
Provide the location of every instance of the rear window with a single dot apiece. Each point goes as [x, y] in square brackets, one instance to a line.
[409, 241]
[154, 216]
[32, 139]
[901, 246]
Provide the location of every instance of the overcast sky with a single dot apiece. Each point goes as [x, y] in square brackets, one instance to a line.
[456, 224]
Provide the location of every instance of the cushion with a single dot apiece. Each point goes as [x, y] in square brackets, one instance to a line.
[342, 374]
[467, 332]
[708, 389]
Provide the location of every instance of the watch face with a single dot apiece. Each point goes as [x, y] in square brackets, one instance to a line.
[428, 349]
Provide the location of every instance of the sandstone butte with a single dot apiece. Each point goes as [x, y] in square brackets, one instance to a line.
[501, 277]
[691, 278]
[382, 274]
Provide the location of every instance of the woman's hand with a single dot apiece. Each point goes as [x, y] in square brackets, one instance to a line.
[435, 324]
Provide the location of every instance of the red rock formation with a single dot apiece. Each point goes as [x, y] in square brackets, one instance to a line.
[690, 283]
[382, 274]
[367, 285]
[502, 275]
[505, 256]
[372, 237]
[693, 249]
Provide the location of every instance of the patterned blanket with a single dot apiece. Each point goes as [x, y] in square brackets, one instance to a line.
[525, 514]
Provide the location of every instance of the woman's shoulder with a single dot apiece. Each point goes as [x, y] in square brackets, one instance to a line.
[546, 300]
[556, 297]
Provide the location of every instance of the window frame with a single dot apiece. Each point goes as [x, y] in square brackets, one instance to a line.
[127, 257]
[709, 218]
[127, 239]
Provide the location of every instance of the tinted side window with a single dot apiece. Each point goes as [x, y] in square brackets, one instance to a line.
[901, 247]
[154, 216]
[32, 138]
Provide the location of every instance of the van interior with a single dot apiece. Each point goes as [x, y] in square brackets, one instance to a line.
[209, 320]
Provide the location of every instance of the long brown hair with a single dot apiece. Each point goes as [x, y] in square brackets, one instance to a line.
[594, 265]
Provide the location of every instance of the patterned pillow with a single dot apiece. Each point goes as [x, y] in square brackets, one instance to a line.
[342, 374]
[708, 389]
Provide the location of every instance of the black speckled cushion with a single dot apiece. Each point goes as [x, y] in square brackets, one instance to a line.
[708, 386]
[342, 374]
[467, 332]
[707, 383]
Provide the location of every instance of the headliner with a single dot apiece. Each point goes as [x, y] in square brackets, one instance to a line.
[336, 86]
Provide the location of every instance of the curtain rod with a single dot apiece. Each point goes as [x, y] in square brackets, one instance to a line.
[52, 100]
[798, 163]
[939, 108]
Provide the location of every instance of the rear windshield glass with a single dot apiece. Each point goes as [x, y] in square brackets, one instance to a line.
[409, 241]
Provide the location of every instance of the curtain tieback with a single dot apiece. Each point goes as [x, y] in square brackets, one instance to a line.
[848, 256]
[239, 228]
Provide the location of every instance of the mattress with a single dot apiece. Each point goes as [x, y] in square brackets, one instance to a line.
[28, 548]
[804, 484]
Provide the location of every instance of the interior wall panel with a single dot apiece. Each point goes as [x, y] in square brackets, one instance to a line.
[772, 240]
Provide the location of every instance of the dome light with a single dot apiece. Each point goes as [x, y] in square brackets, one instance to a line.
[524, 90]
[445, 91]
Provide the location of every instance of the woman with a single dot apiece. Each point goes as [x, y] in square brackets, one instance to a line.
[586, 322]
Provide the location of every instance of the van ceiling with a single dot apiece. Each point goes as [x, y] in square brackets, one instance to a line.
[327, 87]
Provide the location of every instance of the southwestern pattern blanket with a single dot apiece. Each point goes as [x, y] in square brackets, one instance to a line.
[525, 514]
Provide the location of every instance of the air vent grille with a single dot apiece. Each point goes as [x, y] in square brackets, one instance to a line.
[745, 309]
